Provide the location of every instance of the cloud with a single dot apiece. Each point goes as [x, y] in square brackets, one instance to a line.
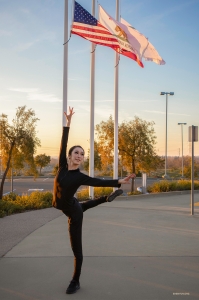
[123, 100]
[34, 94]
[100, 101]
[24, 46]
[5, 33]
[152, 19]
[76, 78]
[163, 113]
[24, 90]
[80, 100]
[24, 10]
[43, 97]
[46, 36]
[84, 50]
[138, 101]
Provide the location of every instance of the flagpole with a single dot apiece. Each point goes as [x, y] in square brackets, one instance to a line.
[115, 169]
[92, 97]
[65, 64]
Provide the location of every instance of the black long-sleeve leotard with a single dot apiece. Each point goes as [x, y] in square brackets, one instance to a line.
[67, 181]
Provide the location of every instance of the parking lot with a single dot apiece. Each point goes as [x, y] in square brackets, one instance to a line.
[23, 185]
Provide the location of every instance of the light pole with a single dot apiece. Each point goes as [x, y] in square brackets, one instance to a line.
[182, 144]
[171, 94]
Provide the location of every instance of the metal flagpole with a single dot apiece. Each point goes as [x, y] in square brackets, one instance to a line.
[115, 169]
[92, 97]
[65, 64]
[192, 169]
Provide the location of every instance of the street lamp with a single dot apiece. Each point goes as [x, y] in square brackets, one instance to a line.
[182, 144]
[171, 94]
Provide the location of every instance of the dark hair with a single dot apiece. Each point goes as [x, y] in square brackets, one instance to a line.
[72, 148]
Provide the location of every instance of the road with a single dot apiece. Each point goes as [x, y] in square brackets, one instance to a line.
[23, 185]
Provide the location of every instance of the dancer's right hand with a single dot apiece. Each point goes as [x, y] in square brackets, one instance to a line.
[126, 179]
[69, 116]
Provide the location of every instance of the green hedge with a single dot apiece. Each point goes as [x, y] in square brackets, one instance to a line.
[13, 203]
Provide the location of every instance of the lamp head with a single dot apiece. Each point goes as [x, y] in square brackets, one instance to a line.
[171, 93]
[162, 93]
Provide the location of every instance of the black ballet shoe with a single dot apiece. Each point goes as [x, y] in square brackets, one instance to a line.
[113, 195]
[73, 287]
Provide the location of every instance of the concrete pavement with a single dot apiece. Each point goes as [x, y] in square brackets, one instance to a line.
[134, 248]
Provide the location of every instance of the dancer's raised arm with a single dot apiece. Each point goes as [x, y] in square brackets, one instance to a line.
[64, 140]
[69, 116]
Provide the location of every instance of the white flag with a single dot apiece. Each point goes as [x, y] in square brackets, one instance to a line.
[147, 50]
[132, 43]
[121, 33]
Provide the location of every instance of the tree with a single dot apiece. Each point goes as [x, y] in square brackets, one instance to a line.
[105, 141]
[41, 161]
[136, 145]
[18, 161]
[55, 169]
[187, 167]
[97, 159]
[20, 137]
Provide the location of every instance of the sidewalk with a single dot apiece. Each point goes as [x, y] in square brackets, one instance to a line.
[143, 248]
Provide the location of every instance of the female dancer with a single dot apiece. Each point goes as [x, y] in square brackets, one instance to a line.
[67, 181]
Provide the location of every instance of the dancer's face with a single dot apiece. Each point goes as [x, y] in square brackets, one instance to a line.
[76, 157]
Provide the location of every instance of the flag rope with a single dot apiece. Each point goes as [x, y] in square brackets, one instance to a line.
[94, 49]
[118, 61]
[67, 41]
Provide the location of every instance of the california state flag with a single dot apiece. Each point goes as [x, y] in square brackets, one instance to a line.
[132, 43]
[146, 49]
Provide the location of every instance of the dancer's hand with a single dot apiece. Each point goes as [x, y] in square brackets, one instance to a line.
[69, 116]
[126, 179]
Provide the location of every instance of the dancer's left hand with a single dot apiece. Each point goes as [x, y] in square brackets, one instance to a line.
[126, 179]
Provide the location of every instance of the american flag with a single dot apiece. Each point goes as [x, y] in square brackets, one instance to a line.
[86, 26]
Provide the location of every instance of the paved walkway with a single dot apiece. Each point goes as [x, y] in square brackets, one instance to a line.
[142, 248]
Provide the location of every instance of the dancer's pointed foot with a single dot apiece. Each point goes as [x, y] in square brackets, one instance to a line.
[114, 194]
[73, 287]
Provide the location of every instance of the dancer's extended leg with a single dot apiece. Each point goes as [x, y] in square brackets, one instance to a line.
[92, 203]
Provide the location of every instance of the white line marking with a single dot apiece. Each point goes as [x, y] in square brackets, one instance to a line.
[45, 179]
[33, 190]
[9, 192]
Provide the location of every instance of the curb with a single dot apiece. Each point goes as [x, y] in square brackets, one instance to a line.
[155, 195]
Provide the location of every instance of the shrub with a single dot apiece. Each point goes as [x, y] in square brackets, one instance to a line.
[9, 208]
[168, 186]
[98, 192]
[13, 203]
[134, 193]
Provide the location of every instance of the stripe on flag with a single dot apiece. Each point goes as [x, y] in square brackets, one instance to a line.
[86, 26]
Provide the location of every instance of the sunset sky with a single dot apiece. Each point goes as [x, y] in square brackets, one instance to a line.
[31, 69]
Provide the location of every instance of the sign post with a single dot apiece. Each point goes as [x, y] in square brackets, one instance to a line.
[193, 137]
[144, 188]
